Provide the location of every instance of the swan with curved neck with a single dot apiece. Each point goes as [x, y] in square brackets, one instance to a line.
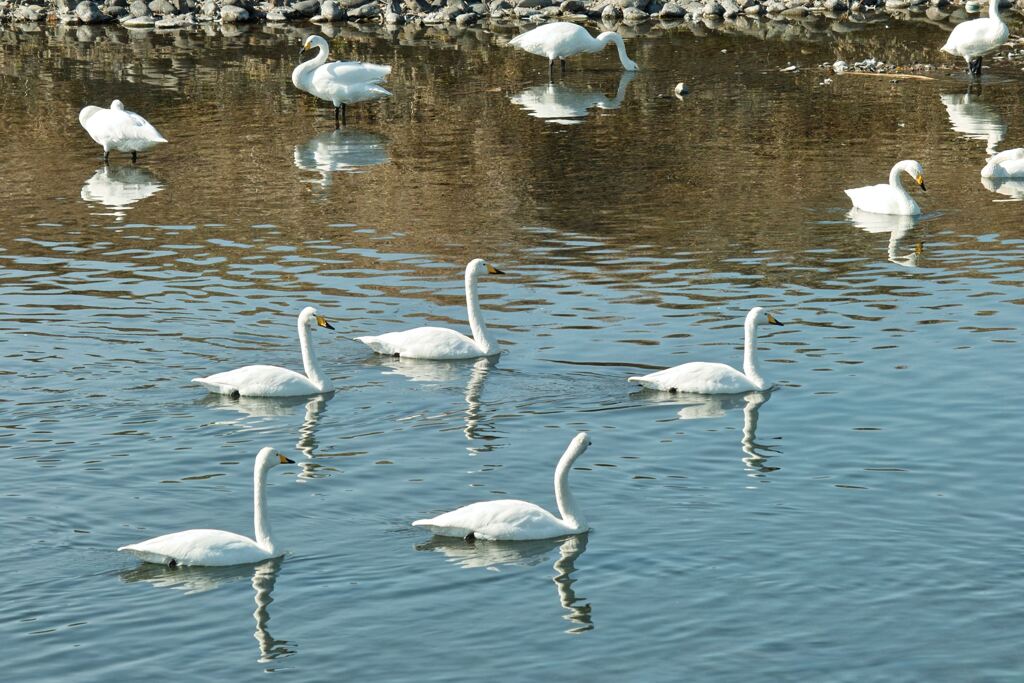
[518, 520]
[891, 198]
[119, 129]
[974, 39]
[717, 378]
[340, 83]
[273, 381]
[441, 343]
[561, 39]
[1008, 164]
[216, 548]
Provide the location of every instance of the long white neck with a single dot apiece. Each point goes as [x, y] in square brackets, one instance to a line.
[894, 174]
[750, 368]
[309, 360]
[309, 65]
[613, 37]
[260, 516]
[481, 335]
[567, 508]
[993, 10]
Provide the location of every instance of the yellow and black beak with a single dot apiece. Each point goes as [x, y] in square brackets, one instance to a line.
[305, 46]
[920, 181]
[322, 322]
[494, 271]
[284, 461]
[773, 320]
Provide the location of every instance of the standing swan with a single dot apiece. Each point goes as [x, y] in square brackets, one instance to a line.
[517, 520]
[562, 39]
[120, 129]
[974, 39]
[1008, 164]
[340, 83]
[441, 343]
[891, 198]
[716, 378]
[270, 380]
[213, 547]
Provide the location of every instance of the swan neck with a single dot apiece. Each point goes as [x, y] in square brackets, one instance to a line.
[613, 37]
[309, 65]
[750, 367]
[310, 363]
[894, 177]
[481, 335]
[571, 515]
[993, 9]
[261, 517]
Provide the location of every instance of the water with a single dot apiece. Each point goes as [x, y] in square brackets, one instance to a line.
[859, 523]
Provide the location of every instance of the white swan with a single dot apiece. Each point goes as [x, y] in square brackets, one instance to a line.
[215, 548]
[441, 343]
[974, 119]
[716, 378]
[974, 39]
[890, 198]
[270, 380]
[120, 188]
[1008, 164]
[561, 39]
[561, 104]
[340, 83]
[120, 129]
[1010, 187]
[517, 520]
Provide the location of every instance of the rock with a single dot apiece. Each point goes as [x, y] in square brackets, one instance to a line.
[713, 9]
[623, 4]
[367, 11]
[29, 13]
[936, 14]
[730, 8]
[681, 89]
[798, 11]
[307, 8]
[839, 66]
[571, 6]
[466, 19]
[162, 7]
[331, 11]
[139, 8]
[753, 10]
[233, 14]
[672, 11]
[176, 21]
[897, 4]
[835, 6]
[633, 15]
[138, 22]
[971, 7]
[89, 13]
[115, 11]
[280, 14]
[479, 8]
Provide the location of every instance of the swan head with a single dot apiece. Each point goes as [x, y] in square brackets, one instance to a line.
[762, 316]
[914, 170]
[117, 105]
[312, 42]
[578, 446]
[311, 319]
[268, 457]
[478, 266]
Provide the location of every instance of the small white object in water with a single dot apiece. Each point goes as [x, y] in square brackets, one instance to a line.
[839, 66]
[827, 81]
[789, 69]
[682, 89]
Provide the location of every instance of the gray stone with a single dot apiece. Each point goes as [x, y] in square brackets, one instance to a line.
[798, 11]
[280, 14]
[307, 8]
[176, 21]
[730, 8]
[466, 19]
[532, 3]
[835, 5]
[897, 4]
[89, 13]
[713, 9]
[29, 13]
[571, 6]
[611, 13]
[138, 22]
[753, 10]
[115, 11]
[479, 8]
[623, 4]
[139, 8]
[331, 11]
[936, 14]
[672, 11]
[162, 7]
[233, 14]
[367, 11]
[632, 15]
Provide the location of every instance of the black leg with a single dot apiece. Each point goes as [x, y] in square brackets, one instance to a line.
[470, 537]
[337, 111]
[106, 157]
[551, 68]
[135, 157]
[343, 113]
[563, 65]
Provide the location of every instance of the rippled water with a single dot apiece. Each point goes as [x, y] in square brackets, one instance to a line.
[860, 522]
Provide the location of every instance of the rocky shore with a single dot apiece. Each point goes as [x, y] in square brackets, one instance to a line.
[185, 13]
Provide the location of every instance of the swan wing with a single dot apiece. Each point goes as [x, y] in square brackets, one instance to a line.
[86, 113]
[349, 73]
[437, 343]
[698, 378]
[497, 520]
[1007, 164]
[977, 37]
[204, 547]
[883, 199]
[124, 131]
[259, 380]
[559, 39]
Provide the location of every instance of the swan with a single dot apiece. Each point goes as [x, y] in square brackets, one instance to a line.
[560, 104]
[340, 83]
[561, 39]
[517, 520]
[1008, 164]
[270, 380]
[891, 198]
[716, 378]
[213, 547]
[974, 39]
[441, 343]
[120, 129]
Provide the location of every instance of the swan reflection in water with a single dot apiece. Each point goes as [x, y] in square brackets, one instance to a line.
[492, 555]
[476, 427]
[897, 227]
[194, 580]
[1010, 187]
[285, 406]
[974, 119]
[340, 151]
[558, 103]
[700, 406]
[120, 188]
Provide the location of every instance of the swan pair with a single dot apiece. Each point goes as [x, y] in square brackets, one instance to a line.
[974, 39]
[340, 83]
[562, 39]
[118, 129]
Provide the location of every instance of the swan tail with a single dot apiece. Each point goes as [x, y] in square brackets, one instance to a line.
[376, 344]
[213, 387]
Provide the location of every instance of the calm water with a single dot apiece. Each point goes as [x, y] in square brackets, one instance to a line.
[862, 522]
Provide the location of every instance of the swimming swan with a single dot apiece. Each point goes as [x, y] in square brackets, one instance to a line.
[270, 380]
[441, 343]
[340, 83]
[1008, 164]
[716, 378]
[561, 39]
[517, 520]
[120, 129]
[891, 198]
[215, 548]
[974, 39]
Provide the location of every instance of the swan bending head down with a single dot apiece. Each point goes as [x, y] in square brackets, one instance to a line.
[215, 548]
[890, 198]
[118, 129]
[518, 520]
[561, 39]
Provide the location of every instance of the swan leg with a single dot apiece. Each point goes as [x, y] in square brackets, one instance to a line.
[135, 157]
[551, 69]
[106, 157]
[172, 563]
[563, 65]
[974, 66]
[470, 537]
[336, 110]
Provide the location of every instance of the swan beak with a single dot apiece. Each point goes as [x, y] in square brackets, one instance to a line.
[773, 320]
[322, 322]
[285, 461]
[494, 271]
[920, 181]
